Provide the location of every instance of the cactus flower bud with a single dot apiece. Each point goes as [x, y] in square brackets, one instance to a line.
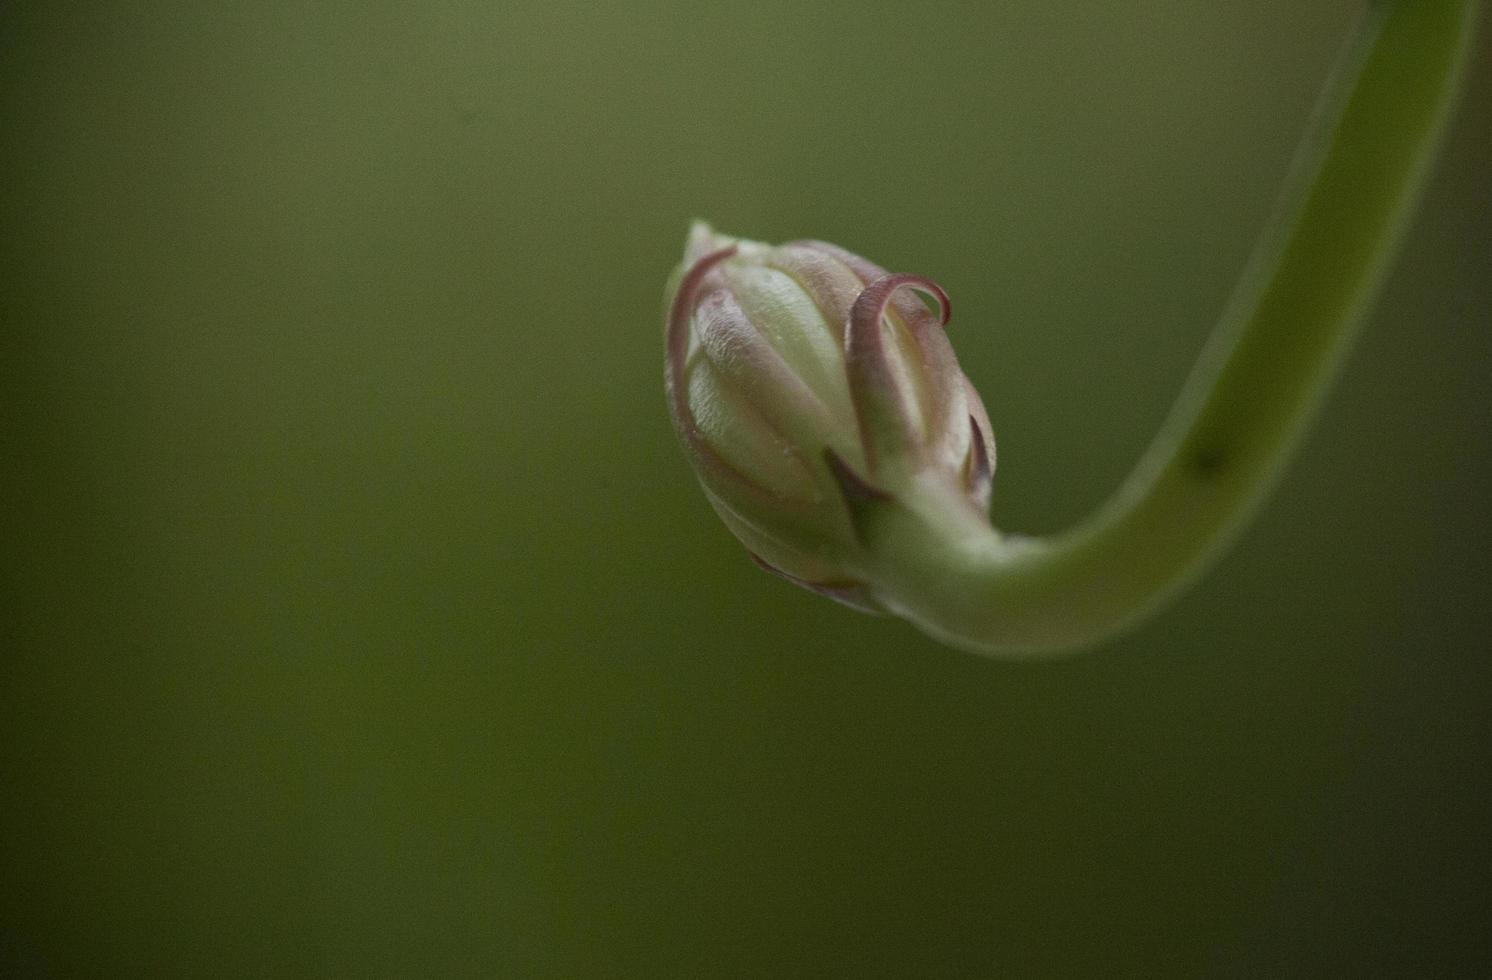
[809, 387]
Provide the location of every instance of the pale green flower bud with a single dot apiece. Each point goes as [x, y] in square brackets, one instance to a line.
[809, 386]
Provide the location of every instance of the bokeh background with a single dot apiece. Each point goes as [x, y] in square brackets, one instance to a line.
[360, 616]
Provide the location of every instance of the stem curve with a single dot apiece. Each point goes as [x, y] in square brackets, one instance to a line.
[1346, 204]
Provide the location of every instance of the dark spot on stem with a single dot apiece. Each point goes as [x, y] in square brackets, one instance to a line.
[1208, 462]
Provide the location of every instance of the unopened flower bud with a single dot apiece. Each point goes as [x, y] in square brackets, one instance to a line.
[810, 387]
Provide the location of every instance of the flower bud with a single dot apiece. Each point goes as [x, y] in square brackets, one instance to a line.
[809, 387]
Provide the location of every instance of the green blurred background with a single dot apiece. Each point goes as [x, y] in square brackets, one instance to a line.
[361, 617]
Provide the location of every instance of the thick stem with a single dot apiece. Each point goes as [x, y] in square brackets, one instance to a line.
[1348, 199]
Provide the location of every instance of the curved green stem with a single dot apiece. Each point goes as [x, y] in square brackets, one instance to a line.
[1348, 200]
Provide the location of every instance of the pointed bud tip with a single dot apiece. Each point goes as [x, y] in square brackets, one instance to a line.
[704, 239]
